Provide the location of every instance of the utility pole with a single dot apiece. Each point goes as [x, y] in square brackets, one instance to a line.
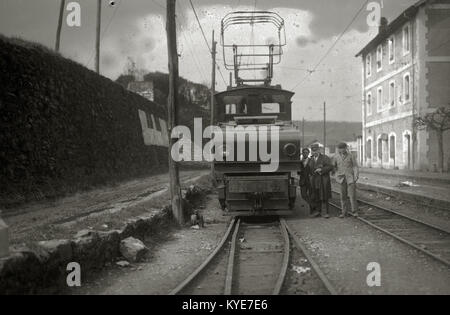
[97, 38]
[172, 111]
[60, 20]
[213, 77]
[303, 133]
[324, 126]
[213, 89]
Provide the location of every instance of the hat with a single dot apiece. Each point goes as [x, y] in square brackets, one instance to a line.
[315, 146]
[342, 145]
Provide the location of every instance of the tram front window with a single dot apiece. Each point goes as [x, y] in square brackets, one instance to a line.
[253, 105]
[270, 108]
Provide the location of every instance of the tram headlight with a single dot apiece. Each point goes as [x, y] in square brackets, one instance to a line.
[290, 149]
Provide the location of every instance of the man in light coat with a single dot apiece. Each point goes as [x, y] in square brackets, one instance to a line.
[347, 175]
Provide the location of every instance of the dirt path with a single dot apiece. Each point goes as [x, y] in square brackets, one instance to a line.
[60, 218]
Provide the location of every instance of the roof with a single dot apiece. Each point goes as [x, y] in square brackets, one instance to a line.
[256, 87]
[140, 86]
[404, 17]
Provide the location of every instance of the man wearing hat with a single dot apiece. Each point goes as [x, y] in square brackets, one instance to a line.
[320, 167]
[304, 182]
[347, 174]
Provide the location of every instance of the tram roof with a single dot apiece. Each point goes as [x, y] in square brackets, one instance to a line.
[248, 88]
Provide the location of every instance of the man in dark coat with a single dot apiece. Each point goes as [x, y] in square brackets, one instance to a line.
[320, 167]
[304, 183]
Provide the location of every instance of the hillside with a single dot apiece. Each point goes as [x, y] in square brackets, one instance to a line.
[337, 131]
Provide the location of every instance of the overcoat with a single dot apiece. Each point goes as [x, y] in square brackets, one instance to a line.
[320, 183]
[304, 173]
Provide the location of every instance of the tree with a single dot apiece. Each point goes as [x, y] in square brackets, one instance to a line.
[439, 121]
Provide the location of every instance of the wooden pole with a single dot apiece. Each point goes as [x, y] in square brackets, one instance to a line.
[97, 38]
[213, 76]
[303, 133]
[60, 20]
[324, 126]
[172, 112]
[213, 90]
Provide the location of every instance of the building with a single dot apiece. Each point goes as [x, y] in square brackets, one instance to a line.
[406, 74]
[143, 88]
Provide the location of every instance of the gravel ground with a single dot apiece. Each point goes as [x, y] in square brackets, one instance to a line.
[175, 253]
[344, 248]
[437, 217]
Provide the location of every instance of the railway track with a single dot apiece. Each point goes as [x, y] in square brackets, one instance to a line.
[425, 237]
[250, 259]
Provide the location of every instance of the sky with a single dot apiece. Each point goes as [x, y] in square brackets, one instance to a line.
[135, 30]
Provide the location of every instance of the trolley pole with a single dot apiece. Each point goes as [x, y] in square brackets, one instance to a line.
[172, 110]
[97, 37]
[213, 90]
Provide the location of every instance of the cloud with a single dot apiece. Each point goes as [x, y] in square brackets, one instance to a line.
[303, 41]
[136, 29]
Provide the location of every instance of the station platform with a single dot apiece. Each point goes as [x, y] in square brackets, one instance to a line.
[425, 188]
[416, 176]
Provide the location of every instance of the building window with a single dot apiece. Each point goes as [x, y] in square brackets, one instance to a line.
[230, 109]
[369, 104]
[392, 94]
[380, 99]
[369, 65]
[369, 149]
[406, 40]
[379, 57]
[406, 88]
[391, 50]
[380, 149]
[392, 147]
